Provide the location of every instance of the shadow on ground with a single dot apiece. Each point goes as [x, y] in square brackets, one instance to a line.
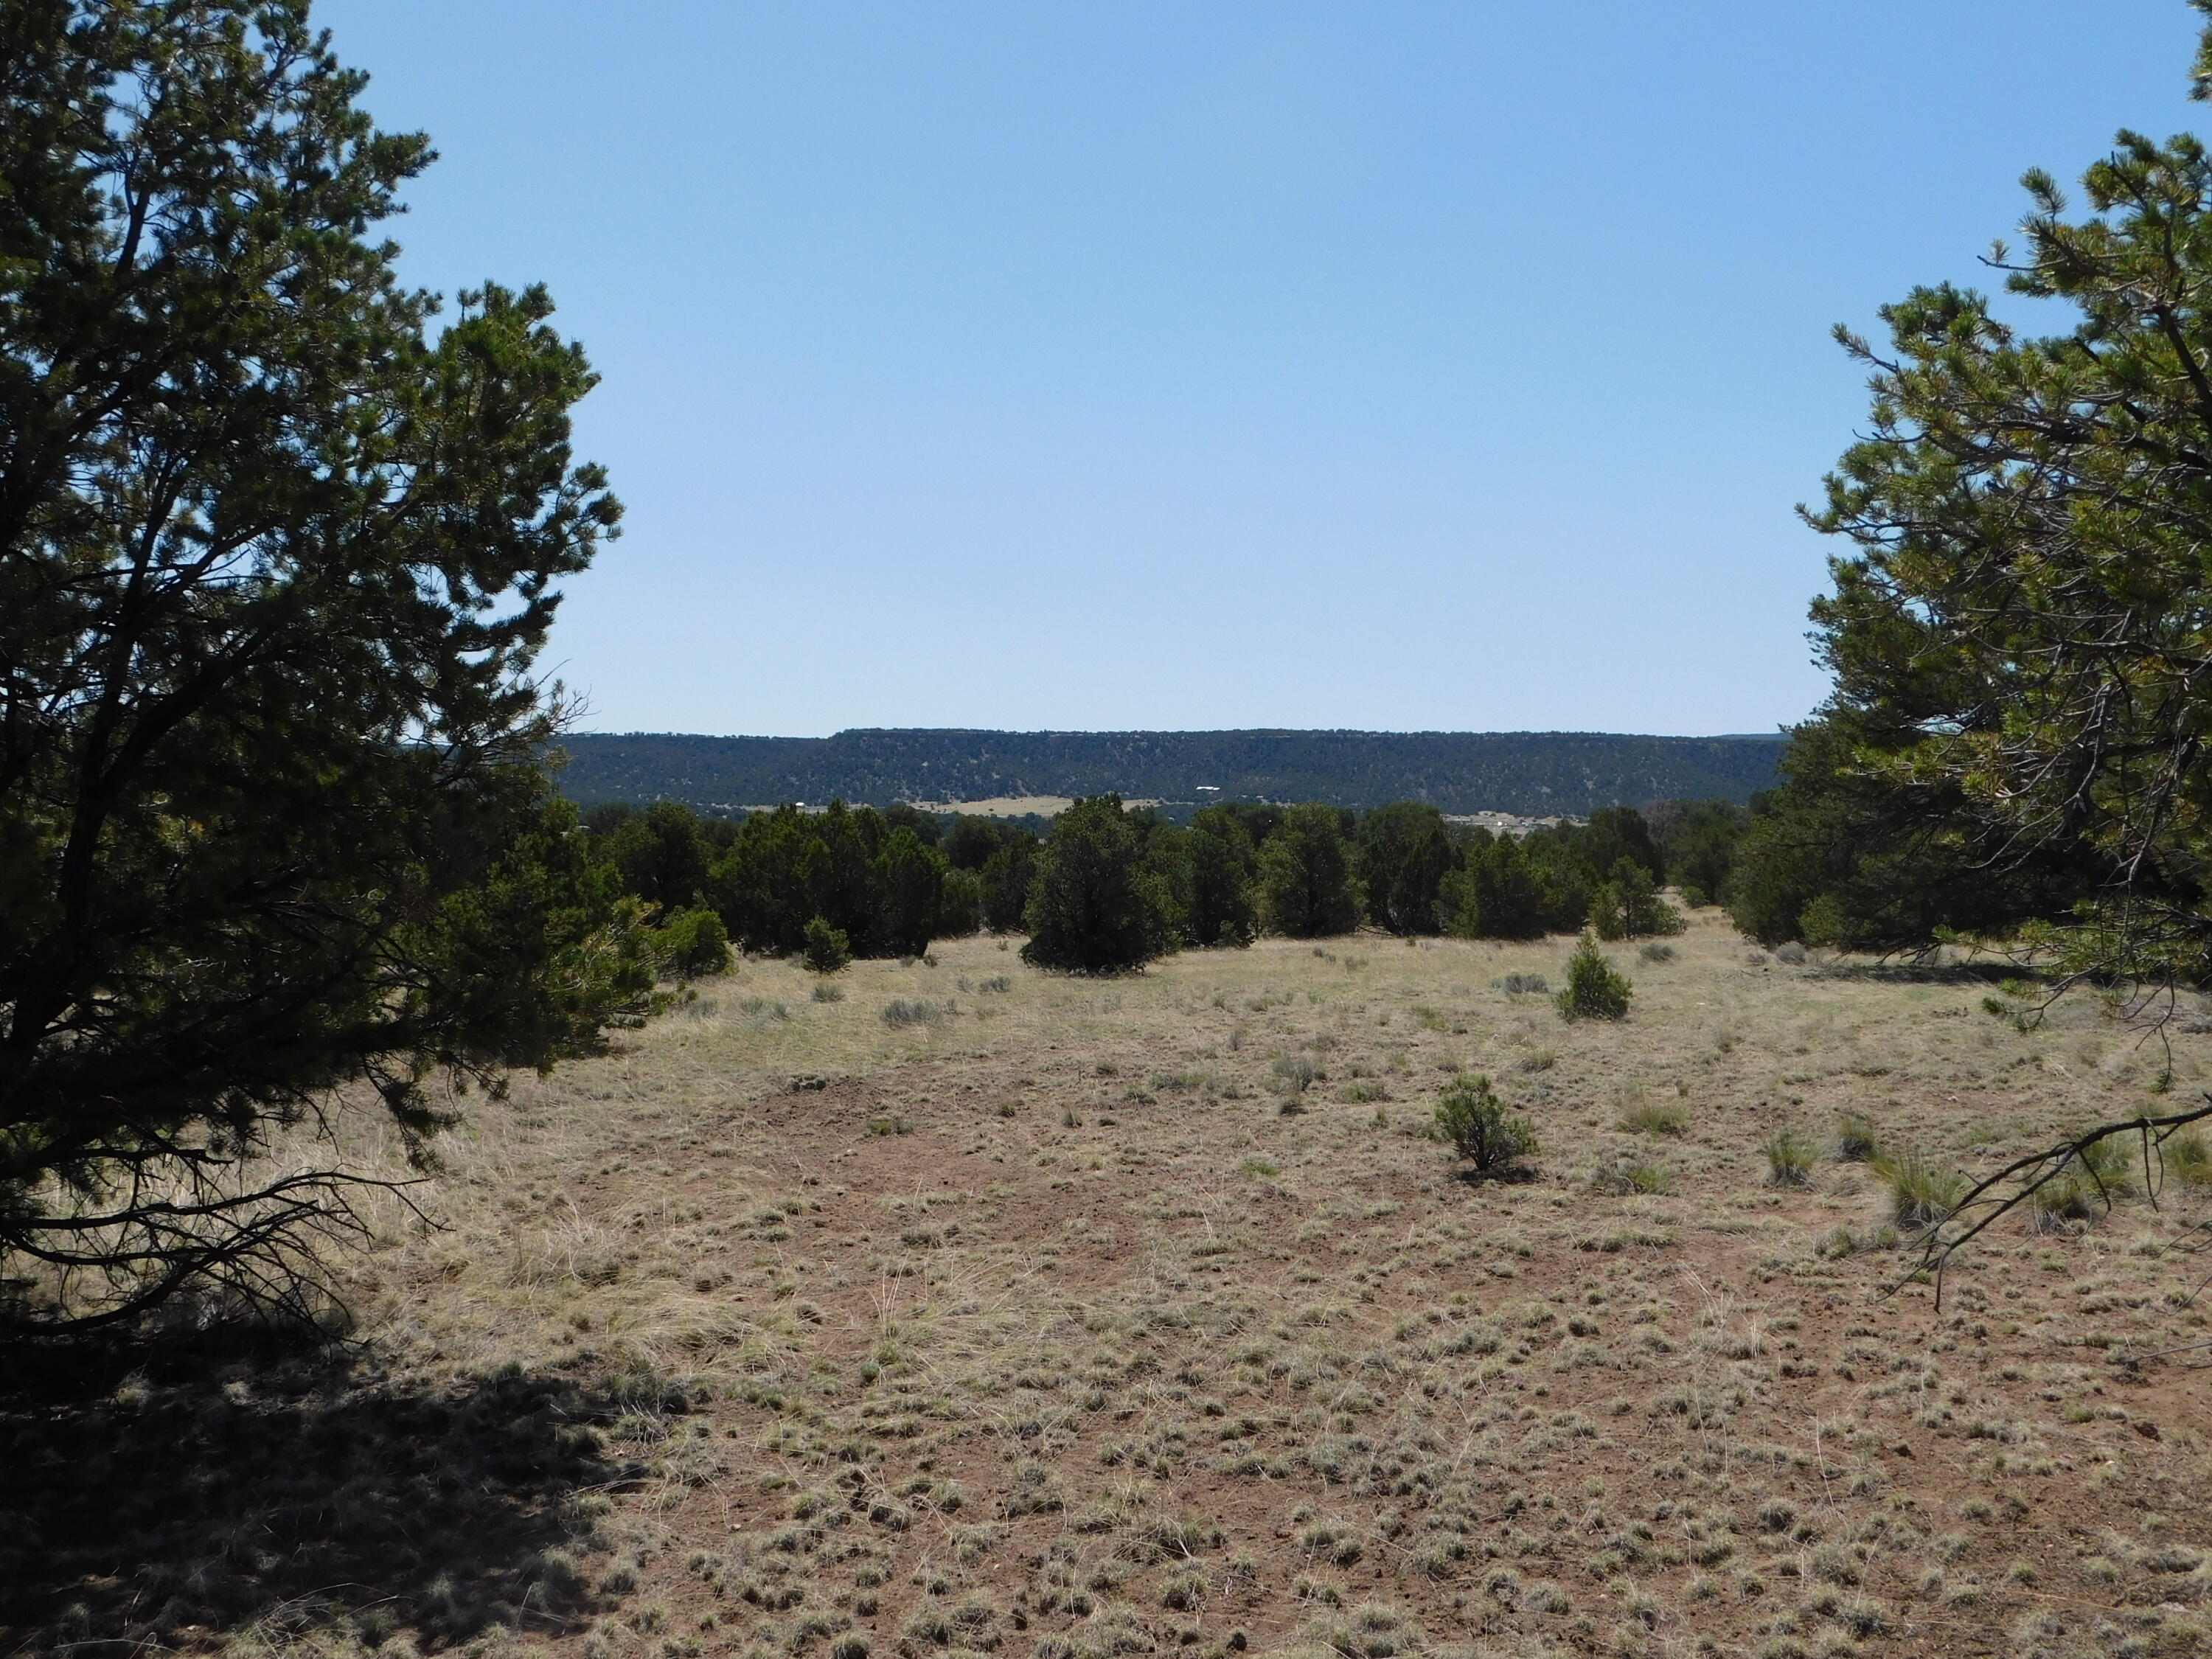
[1904, 970]
[171, 1497]
[1512, 1175]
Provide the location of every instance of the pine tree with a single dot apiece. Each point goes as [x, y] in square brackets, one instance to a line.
[1307, 887]
[2016, 734]
[1093, 906]
[276, 557]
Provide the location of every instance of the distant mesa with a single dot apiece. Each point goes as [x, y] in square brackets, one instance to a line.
[1513, 775]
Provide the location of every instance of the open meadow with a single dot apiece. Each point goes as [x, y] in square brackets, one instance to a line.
[956, 1307]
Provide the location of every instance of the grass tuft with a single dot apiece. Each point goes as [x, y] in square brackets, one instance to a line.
[2090, 1181]
[2189, 1159]
[1656, 1117]
[1630, 1172]
[900, 1013]
[1788, 1159]
[1856, 1141]
[1921, 1192]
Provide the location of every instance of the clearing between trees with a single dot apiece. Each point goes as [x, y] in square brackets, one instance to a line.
[967, 1308]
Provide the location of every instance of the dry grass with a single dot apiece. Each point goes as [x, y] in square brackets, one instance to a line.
[1098, 1317]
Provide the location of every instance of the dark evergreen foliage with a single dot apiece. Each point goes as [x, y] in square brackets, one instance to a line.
[1404, 851]
[1220, 908]
[1007, 876]
[1848, 856]
[1627, 905]
[909, 879]
[2015, 742]
[1307, 886]
[924, 826]
[1565, 879]
[607, 817]
[883, 888]
[1494, 893]
[1472, 1118]
[1615, 833]
[1697, 842]
[823, 948]
[693, 942]
[663, 854]
[962, 912]
[1532, 772]
[276, 560]
[1595, 989]
[999, 856]
[1259, 819]
[971, 841]
[1094, 906]
[275, 563]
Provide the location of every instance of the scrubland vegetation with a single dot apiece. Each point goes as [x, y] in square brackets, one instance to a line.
[995, 1310]
[420, 1231]
[1110, 888]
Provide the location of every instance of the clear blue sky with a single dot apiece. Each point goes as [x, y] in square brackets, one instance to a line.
[1220, 364]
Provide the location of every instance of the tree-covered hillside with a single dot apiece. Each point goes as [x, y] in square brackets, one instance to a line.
[1529, 772]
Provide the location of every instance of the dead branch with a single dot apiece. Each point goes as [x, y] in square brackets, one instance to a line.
[1986, 1203]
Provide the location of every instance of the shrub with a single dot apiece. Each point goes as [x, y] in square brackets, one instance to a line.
[899, 1014]
[1563, 879]
[1697, 842]
[663, 854]
[827, 949]
[1479, 1129]
[1657, 952]
[2111, 1162]
[1921, 1194]
[1627, 1173]
[694, 943]
[1856, 1141]
[826, 992]
[1788, 1159]
[1594, 989]
[1524, 984]
[1605, 914]
[1296, 1073]
[1643, 911]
